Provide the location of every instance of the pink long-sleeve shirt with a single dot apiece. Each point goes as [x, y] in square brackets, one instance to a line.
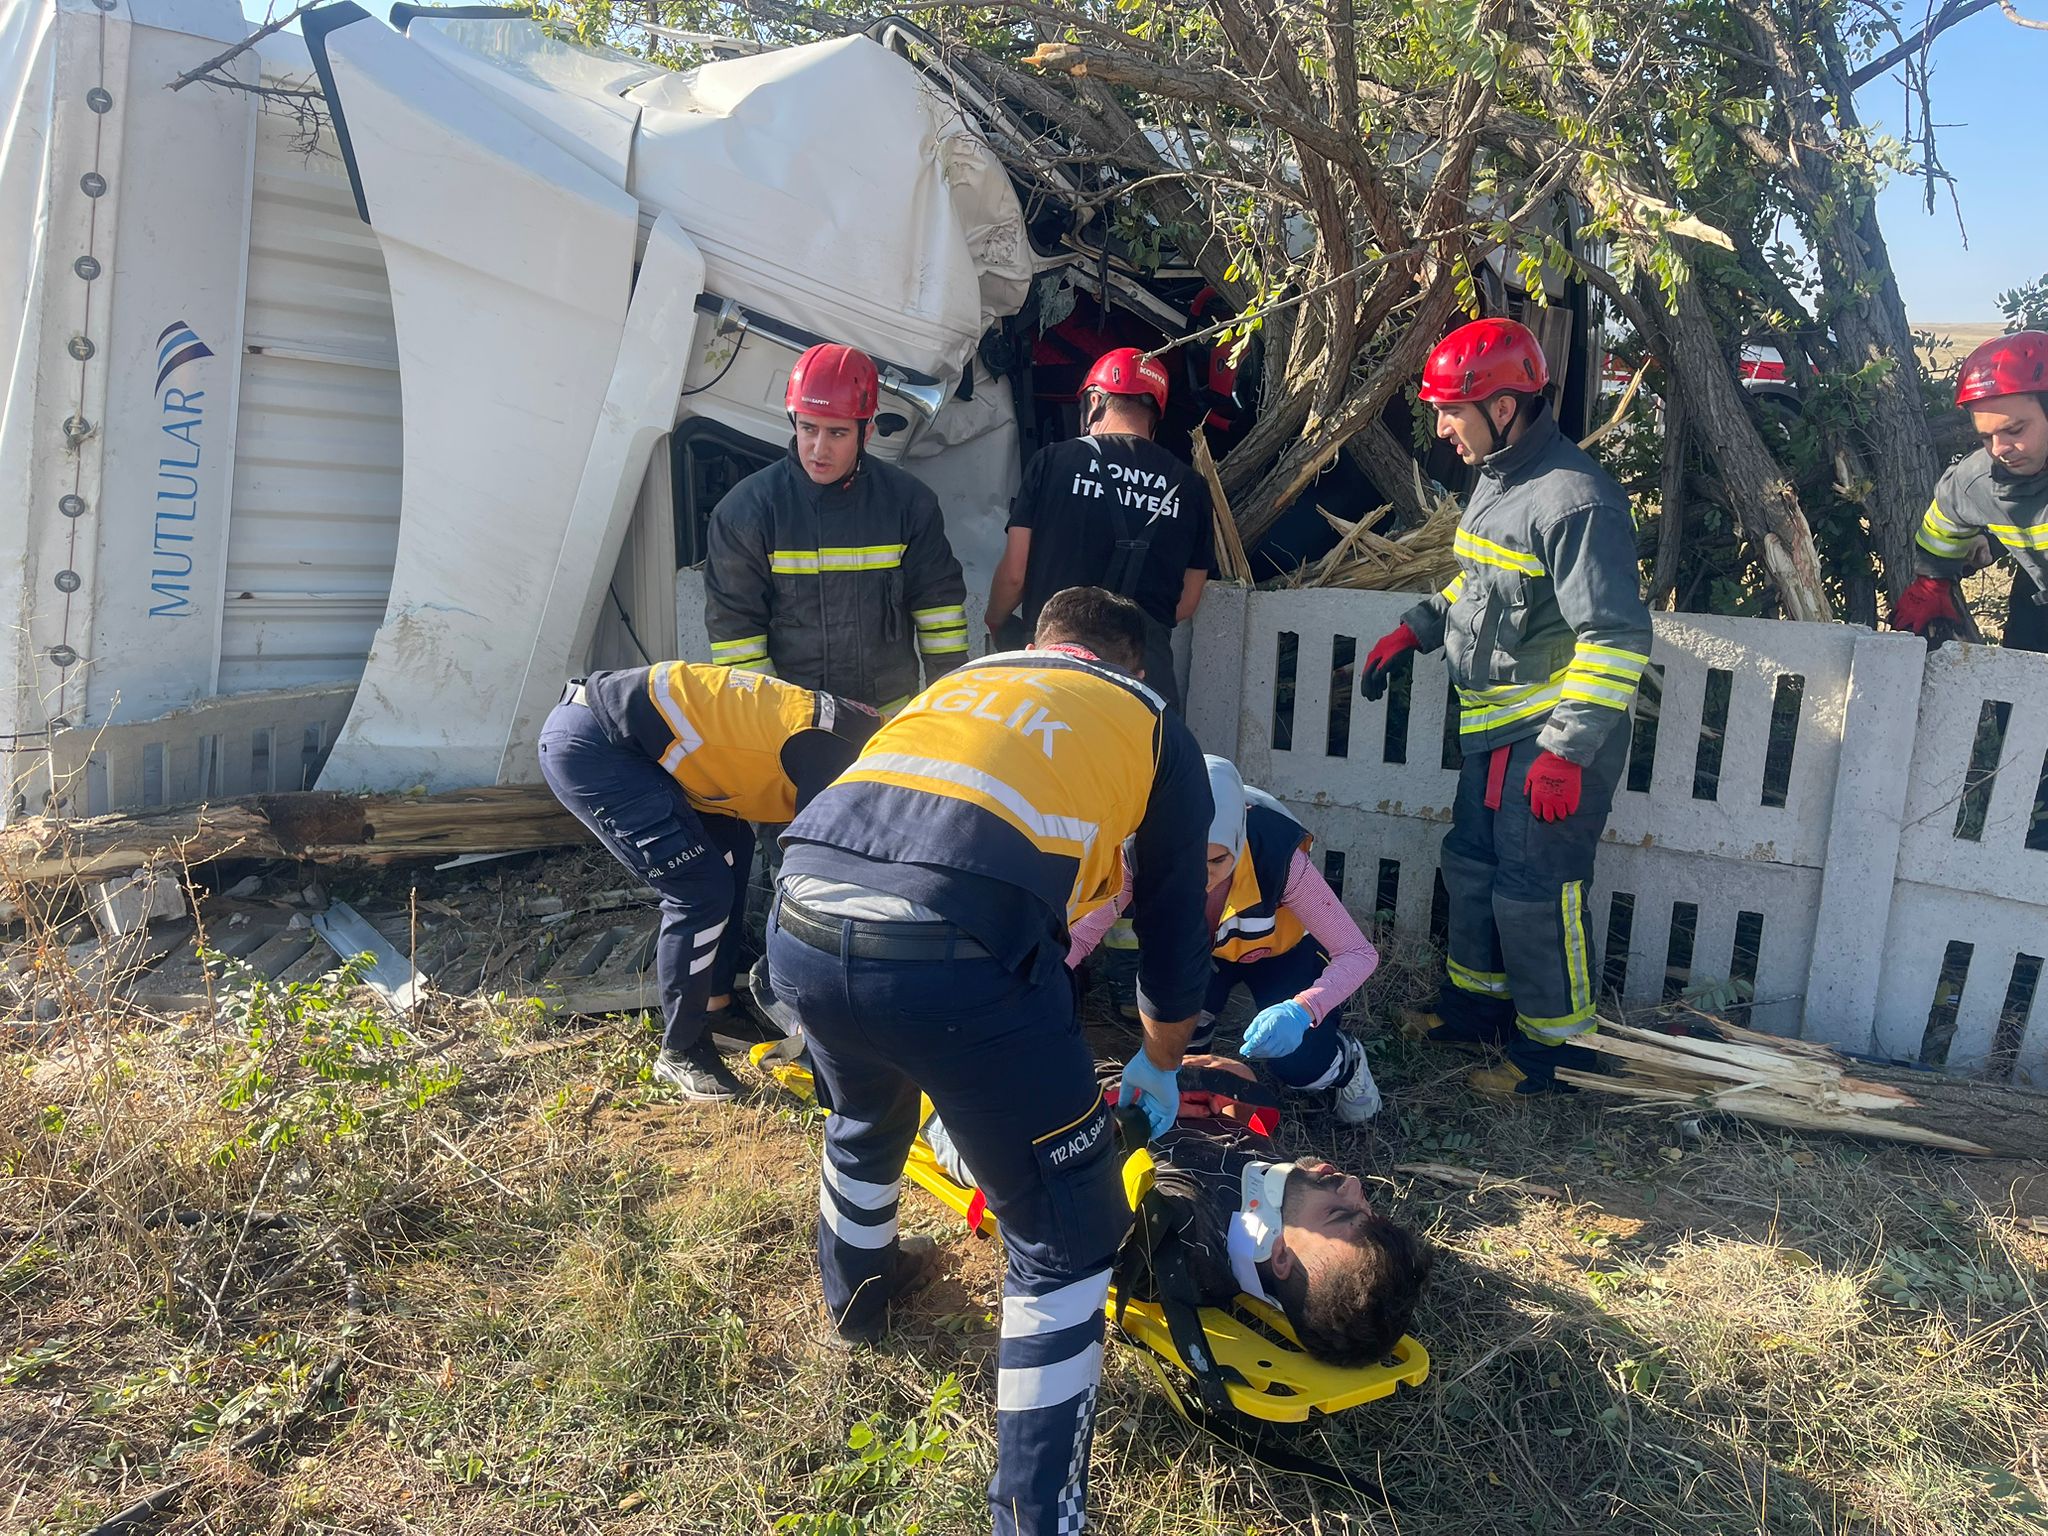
[1309, 897]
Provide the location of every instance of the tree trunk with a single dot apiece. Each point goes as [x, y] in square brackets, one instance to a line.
[2006, 1121]
[1765, 500]
[1872, 331]
[1670, 504]
[1806, 1086]
[1835, 201]
[1385, 460]
[1308, 455]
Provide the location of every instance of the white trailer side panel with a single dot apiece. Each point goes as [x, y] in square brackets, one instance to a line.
[314, 528]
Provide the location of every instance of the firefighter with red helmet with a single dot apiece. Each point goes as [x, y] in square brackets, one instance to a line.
[1999, 492]
[1111, 509]
[829, 568]
[1546, 636]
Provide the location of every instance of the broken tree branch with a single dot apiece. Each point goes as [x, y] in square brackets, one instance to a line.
[1805, 1086]
[206, 71]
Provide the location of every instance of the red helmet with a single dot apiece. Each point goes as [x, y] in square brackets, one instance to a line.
[1127, 371]
[833, 381]
[1477, 361]
[2005, 365]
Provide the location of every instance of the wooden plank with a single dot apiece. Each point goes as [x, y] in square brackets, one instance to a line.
[304, 825]
[1806, 1086]
[390, 975]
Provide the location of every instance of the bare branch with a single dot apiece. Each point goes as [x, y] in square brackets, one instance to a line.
[208, 71]
[1951, 12]
[2012, 14]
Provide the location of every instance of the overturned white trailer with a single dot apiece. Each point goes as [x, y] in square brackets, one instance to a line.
[348, 415]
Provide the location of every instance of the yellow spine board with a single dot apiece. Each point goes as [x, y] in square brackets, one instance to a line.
[1282, 1384]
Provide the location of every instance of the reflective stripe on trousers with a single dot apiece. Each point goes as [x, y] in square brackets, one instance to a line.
[1518, 919]
[1002, 1057]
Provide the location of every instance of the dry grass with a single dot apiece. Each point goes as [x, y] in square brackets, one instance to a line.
[590, 1309]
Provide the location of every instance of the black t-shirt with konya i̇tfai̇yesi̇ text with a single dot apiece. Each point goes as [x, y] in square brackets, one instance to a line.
[1071, 498]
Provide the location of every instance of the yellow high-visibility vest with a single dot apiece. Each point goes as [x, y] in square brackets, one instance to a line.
[1029, 768]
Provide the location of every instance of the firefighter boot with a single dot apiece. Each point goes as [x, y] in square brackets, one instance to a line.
[1530, 1069]
[1434, 1029]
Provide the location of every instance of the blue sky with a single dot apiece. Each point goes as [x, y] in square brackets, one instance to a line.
[1989, 79]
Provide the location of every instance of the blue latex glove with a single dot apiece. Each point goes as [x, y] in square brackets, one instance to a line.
[1277, 1030]
[1155, 1092]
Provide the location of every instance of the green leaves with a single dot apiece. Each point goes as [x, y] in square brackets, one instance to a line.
[315, 1059]
[871, 1493]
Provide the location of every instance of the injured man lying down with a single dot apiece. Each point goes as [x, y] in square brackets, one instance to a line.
[1299, 1236]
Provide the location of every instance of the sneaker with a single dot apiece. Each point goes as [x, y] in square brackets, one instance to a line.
[697, 1073]
[1358, 1096]
[913, 1266]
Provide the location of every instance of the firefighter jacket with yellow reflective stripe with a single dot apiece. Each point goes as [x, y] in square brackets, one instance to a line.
[1544, 625]
[1255, 923]
[1975, 496]
[718, 732]
[844, 588]
[1001, 797]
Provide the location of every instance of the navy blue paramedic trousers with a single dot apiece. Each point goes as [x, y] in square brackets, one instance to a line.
[698, 865]
[1275, 979]
[1004, 1063]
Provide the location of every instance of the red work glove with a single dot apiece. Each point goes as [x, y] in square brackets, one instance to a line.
[1552, 787]
[1379, 661]
[1927, 600]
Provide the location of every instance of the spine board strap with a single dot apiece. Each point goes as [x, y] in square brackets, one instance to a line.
[1153, 1257]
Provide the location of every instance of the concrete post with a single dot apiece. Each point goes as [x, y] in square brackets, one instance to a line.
[1879, 720]
[1215, 695]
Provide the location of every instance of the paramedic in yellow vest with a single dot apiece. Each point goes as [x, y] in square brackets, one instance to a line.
[666, 765]
[830, 568]
[1283, 935]
[1546, 637]
[920, 932]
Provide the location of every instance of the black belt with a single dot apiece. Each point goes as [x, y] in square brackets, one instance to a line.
[875, 940]
[575, 693]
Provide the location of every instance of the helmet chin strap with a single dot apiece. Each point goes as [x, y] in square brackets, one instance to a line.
[1495, 442]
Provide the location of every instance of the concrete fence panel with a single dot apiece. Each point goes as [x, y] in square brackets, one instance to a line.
[1852, 833]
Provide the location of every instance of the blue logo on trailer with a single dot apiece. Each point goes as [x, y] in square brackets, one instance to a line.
[182, 414]
[179, 344]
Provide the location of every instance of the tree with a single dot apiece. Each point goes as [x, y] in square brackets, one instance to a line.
[2026, 307]
[1342, 171]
